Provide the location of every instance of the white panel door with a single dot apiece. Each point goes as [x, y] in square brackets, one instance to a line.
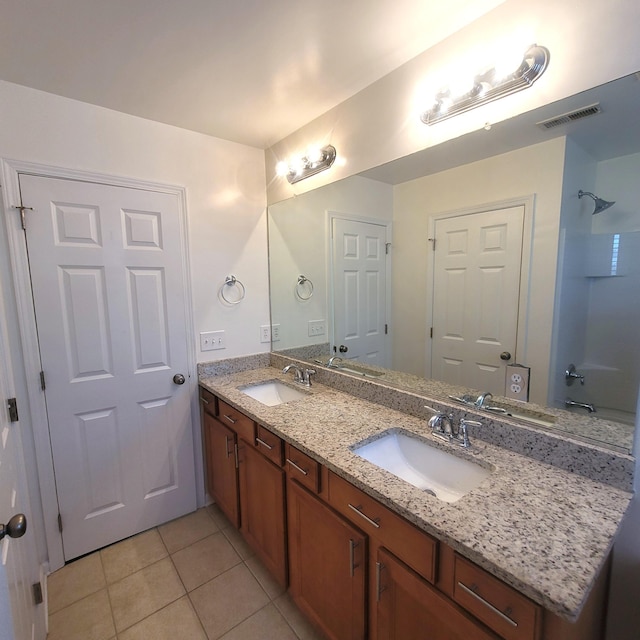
[359, 280]
[107, 277]
[475, 297]
[19, 566]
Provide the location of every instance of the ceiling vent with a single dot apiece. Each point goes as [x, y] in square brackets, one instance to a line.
[572, 116]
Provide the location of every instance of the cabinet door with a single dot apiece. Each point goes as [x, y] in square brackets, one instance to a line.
[222, 475]
[262, 509]
[409, 608]
[327, 565]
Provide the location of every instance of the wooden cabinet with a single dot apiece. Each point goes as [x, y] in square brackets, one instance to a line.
[222, 467]
[262, 505]
[407, 607]
[327, 566]
[357, 569]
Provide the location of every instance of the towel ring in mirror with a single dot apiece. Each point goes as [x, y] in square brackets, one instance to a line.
[304, 288]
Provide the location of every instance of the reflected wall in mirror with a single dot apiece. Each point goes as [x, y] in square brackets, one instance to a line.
[573, 310]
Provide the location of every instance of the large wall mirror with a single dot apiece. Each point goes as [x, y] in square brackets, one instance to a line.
[562, 286]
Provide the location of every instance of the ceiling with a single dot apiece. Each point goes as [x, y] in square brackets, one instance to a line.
[251, 71]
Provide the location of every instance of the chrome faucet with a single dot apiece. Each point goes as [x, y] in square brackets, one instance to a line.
[298, 376]
[332, 359]
[584, 405]
[483, 400]
[441, 425]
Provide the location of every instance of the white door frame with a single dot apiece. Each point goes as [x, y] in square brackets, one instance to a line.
[26, 313]
[388, 224]
[528, 203]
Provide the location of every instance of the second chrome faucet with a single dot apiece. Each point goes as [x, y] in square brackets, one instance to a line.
[301, 376]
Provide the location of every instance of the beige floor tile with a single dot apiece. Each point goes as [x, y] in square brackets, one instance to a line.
[218, 517]
[177, 620]
[204, 560]
[238, 542]
[131, 555]
[74, 582]
[184, 531]
[296, 619]
[86, 619]
[144, 592]
[227, 600]
[266, 624]
[266, 580]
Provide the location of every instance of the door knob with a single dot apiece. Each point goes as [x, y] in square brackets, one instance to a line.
[179, 378]
[505, 355]
[343, 349]
[15, 528]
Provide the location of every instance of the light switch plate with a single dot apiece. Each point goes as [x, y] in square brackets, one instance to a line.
[517, 382]
[211, 340]
[317, 328]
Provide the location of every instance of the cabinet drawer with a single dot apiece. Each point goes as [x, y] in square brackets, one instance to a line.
[269, 444]
[500, 607]
[303, 468]
[241, 424]
[208, 401]
[410, 544]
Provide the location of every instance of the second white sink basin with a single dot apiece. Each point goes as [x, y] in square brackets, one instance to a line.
[273, 393]
[438, 472]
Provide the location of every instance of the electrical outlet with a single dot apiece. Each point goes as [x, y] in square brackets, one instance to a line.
[275, 332]
[265, 333]
[517, 382]
[211, 340]
[316, 328]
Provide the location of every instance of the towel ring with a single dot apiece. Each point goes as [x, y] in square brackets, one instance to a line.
[232, 281]
[303, 280]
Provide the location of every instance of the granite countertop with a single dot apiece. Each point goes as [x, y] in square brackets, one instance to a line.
[541, 529]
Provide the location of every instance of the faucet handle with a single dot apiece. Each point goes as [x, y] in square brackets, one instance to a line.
[306, 377]
[462, 437]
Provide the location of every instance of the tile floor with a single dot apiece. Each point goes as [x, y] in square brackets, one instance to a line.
[193, 578]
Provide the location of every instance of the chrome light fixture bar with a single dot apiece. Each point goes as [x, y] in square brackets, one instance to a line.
[306, 166]
[489, 86]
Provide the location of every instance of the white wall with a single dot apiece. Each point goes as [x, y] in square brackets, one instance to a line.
[299, 244]
[381, 123]
[535, 170]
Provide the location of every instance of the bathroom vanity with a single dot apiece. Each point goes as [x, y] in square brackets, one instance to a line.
[523, 555]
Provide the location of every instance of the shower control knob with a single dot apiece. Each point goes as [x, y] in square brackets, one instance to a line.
[505, 355]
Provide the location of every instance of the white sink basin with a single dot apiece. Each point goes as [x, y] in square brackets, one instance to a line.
[272, 393]
[442, 474]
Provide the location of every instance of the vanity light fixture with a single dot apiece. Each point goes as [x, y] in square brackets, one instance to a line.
[487, 86]
[316, 160]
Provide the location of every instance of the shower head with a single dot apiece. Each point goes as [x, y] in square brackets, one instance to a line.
[601, 205]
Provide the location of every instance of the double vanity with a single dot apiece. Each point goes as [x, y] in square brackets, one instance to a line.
[380, 529]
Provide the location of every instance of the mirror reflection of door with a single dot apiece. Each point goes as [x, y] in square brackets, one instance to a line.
[360, 290]
[476, 287]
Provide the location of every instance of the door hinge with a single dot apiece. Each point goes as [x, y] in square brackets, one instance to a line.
[43, 384]
[22, 209]
[386, 329]
[37, 593]
[12, 403]
[433, 242]
[431, 332]
[387, 246]
[59, 523]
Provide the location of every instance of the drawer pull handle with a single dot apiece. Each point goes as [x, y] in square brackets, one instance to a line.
[204, 400]
[295, 466]
[379, 587]
[472, 591]
[366, 517]
[229, 418]
[264, 444]
[352, 552]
